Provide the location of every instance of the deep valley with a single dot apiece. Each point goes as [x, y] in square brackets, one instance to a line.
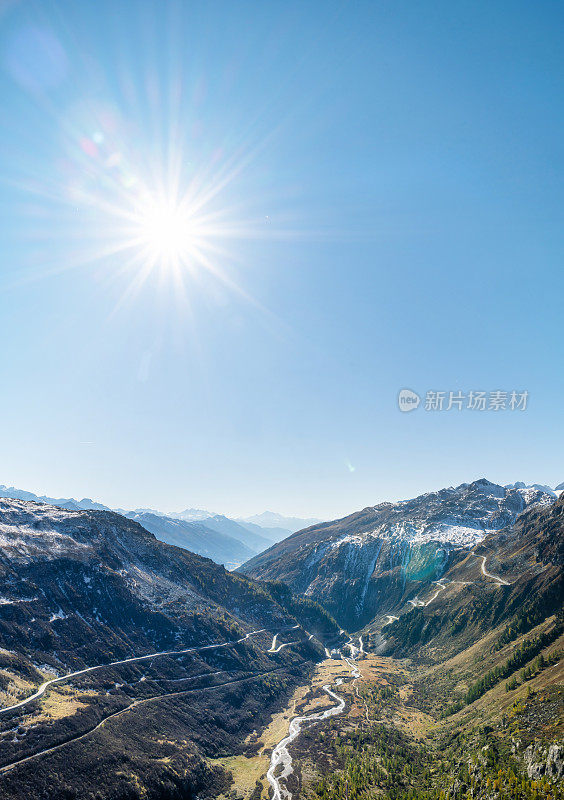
[130, 668]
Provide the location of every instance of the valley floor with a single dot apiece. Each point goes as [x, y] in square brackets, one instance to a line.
[396, 738]
[462, 728]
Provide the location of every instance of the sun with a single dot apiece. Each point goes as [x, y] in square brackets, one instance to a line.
[165, 231]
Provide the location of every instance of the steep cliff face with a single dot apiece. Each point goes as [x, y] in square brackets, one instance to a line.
[380, 558]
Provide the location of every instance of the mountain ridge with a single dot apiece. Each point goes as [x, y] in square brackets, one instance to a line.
[353, 564]
[225, 540]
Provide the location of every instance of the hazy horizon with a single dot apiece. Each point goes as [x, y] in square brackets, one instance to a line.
[256, 511]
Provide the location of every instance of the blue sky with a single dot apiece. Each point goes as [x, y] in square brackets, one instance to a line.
[381, 191]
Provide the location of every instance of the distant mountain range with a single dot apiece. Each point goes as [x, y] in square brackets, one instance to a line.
[197, 537]
[86, 504]
[226, 541]
[378, 559]
[268, 519]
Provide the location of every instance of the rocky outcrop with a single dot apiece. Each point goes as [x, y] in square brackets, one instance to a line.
[544, 762]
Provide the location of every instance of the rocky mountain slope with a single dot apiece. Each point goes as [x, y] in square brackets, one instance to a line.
[171, 657]
[514, 576]
[380, 559]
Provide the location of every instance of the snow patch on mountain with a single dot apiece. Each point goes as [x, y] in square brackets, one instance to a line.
[529, 491]
[26, 531]
[356, 539]
[496, 507]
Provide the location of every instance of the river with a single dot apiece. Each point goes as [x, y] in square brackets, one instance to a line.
[280, 754]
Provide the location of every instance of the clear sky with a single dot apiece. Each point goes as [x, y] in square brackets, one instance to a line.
[369, 197]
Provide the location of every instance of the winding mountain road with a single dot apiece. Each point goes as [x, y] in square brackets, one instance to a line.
[44, 686]
[280, 754]
[500, 581]
[274, 648]
[135, 704]
[442, 587]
